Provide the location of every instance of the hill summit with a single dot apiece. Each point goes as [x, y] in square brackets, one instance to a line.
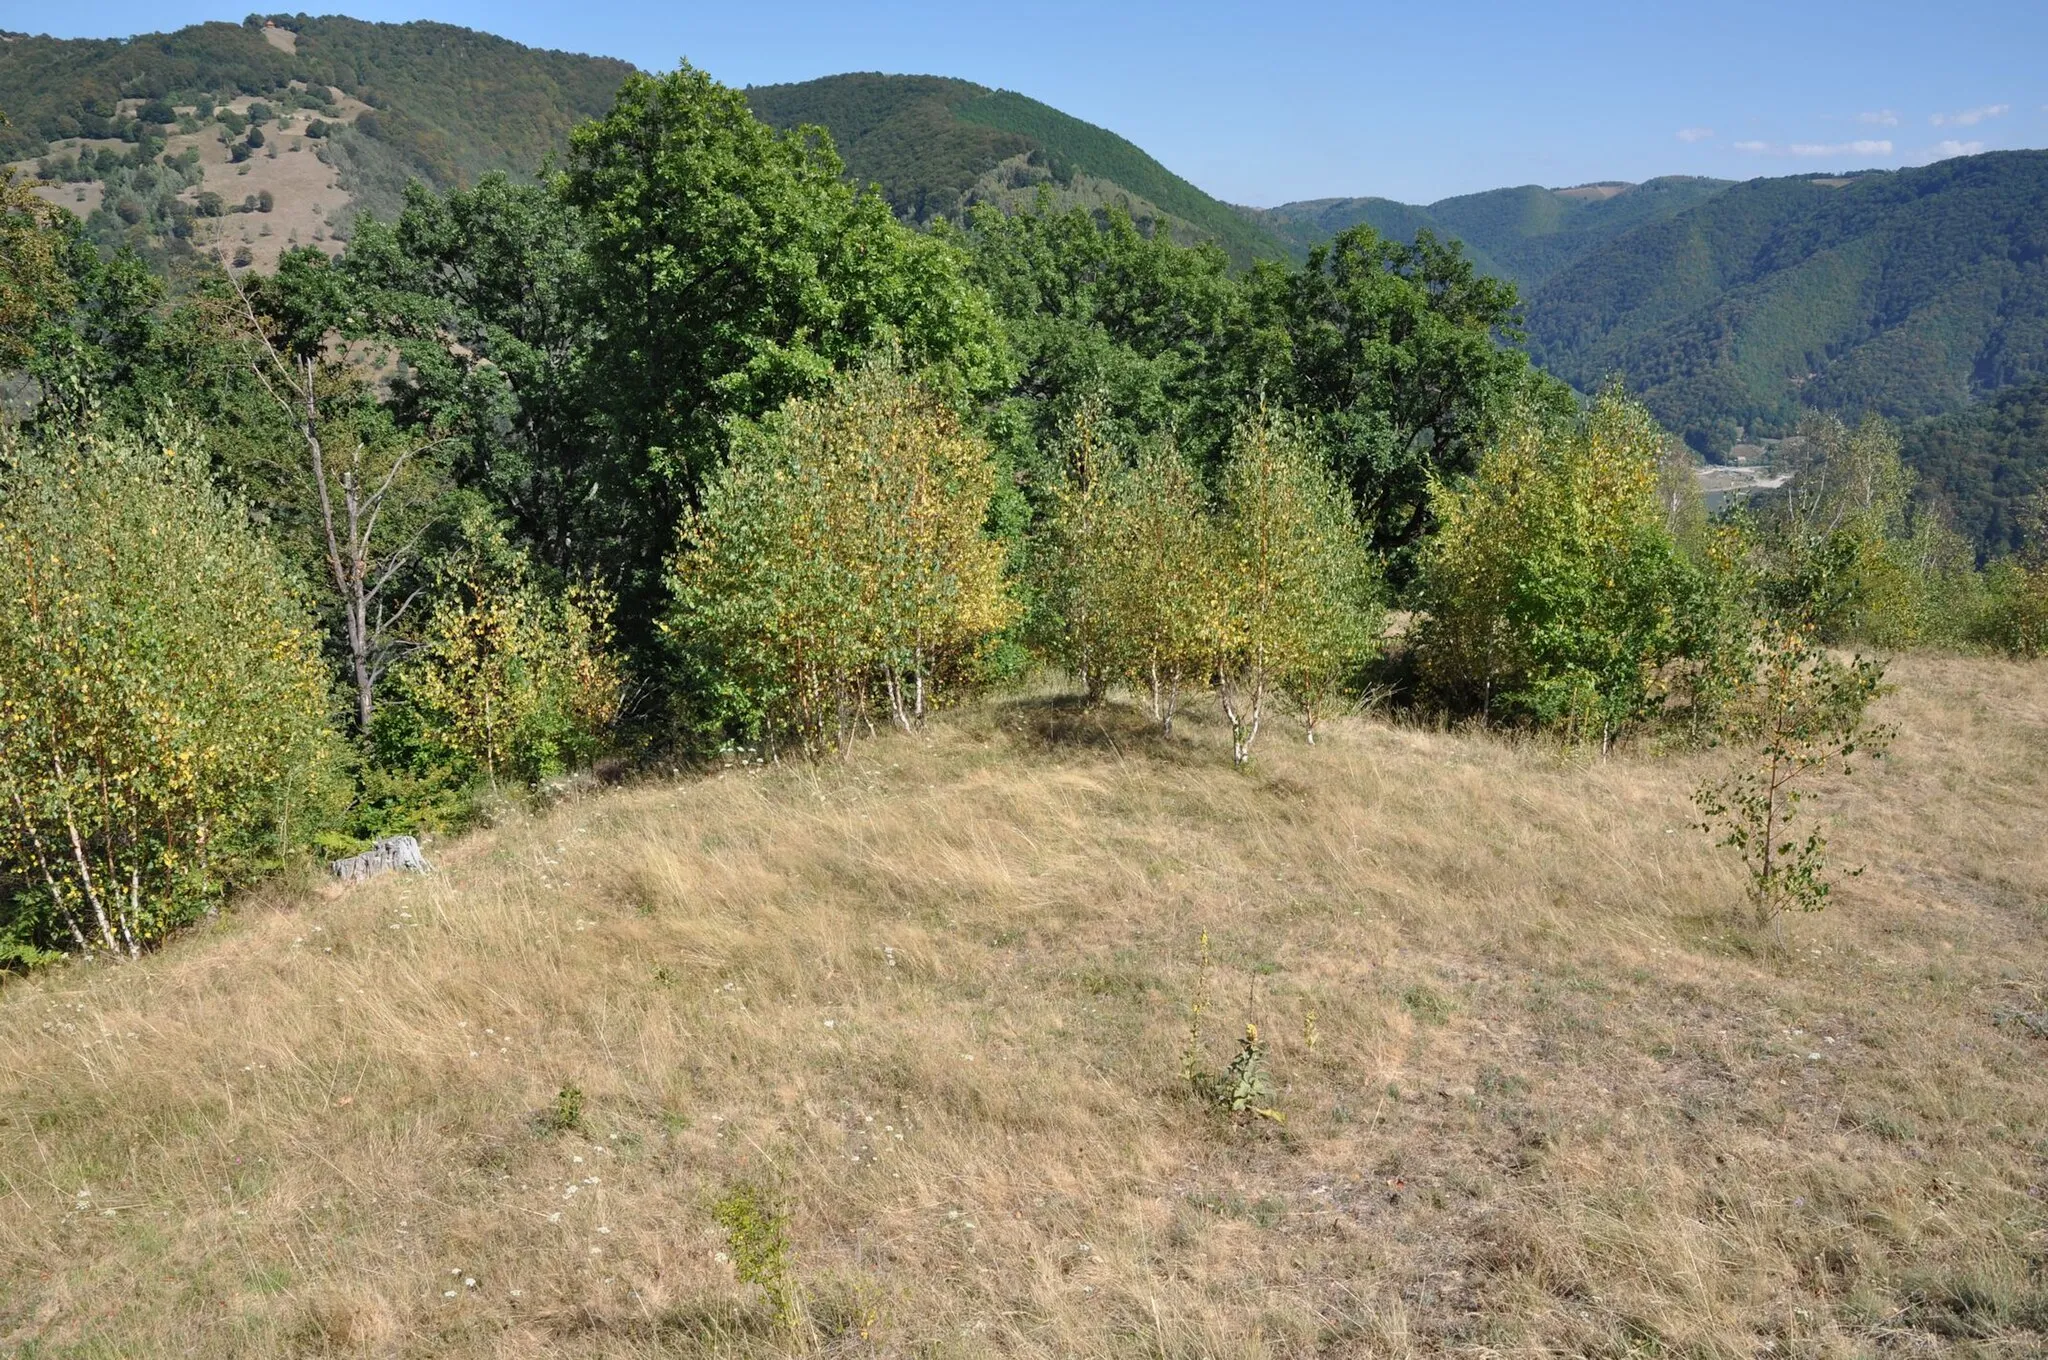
[936, 146]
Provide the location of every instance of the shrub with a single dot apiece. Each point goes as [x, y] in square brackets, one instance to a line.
[1127, 570]
[757, 1240]
[265, 201]
[1163, 583]
[1075, 567]
[163, 706]
[2013, 614]
[511, 681]
[1298, 592]
[838, 562]
[1798, 711]
[1555, 591]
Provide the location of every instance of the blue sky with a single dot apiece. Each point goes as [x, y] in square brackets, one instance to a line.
[1262, 104]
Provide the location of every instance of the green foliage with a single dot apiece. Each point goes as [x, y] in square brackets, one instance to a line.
[733, 271]
[566, 1114]
[163, 729]
[1388, 352]
[931, 145]
[35, 287]
[510, 680]
[1297, 589]
[1095, 311]
[1906, 293]
[757, 1239]
[1985, 466]
[839, 560]
[1847, 553]
[2014, 615]
[1798, 712]
[1555, 591]
[1522, 235]
[1154, 579]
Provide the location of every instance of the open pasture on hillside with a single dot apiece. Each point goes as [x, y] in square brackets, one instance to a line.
[930, 1007]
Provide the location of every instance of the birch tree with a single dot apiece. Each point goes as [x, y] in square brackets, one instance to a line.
[163, 706]
[1294, 585]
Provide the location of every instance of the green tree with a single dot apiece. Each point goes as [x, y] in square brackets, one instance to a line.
[511, 680]
[485, 294]
[367, 496]
[1290, 560]
[1798, 712]
[35, 286]
[1102, 314]
[1555, 591]
[163, 707]
[1391, 355]
[731, 269]
[1076, 556]
[1164, 585]
[839, 555]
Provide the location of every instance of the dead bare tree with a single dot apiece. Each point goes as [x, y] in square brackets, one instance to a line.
[353, 492]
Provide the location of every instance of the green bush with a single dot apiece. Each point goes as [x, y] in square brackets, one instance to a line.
[1555, 592]
[2012, 617]
[163, 706]
[513, 682]
[1299, 592]
[838, 568]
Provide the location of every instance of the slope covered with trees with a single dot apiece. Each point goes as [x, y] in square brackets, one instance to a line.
[1522, 234]
[1910, 293]
[936, 146]
[1987, 466]
[445, 104]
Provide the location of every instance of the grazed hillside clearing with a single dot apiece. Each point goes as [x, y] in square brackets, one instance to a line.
[937, 998]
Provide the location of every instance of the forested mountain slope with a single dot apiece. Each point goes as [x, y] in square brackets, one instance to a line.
[133, 134]
[1911, 293]
[1522, 234]
[937, 145]
[1987, 466]
[453, 102]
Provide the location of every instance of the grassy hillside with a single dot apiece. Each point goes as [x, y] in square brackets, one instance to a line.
[935, 1002]
[1911, 293]
[936, 145]
[1523, 234]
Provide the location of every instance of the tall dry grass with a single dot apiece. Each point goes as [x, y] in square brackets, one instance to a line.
[935, 1001]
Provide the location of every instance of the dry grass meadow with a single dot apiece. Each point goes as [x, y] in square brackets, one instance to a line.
[935, 1002]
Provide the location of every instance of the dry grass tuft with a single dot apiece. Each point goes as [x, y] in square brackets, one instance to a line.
[935, 1002]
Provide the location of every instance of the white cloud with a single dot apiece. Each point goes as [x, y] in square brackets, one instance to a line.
[1695, 134]
[1881, 118]
[1969, 117]
[1945, 149]
[1821, 150]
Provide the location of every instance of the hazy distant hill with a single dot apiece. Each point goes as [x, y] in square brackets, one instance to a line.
[936, 145]
[1912, 293]
[1524, 234]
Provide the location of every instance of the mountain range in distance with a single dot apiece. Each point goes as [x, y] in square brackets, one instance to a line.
[1731, 308]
